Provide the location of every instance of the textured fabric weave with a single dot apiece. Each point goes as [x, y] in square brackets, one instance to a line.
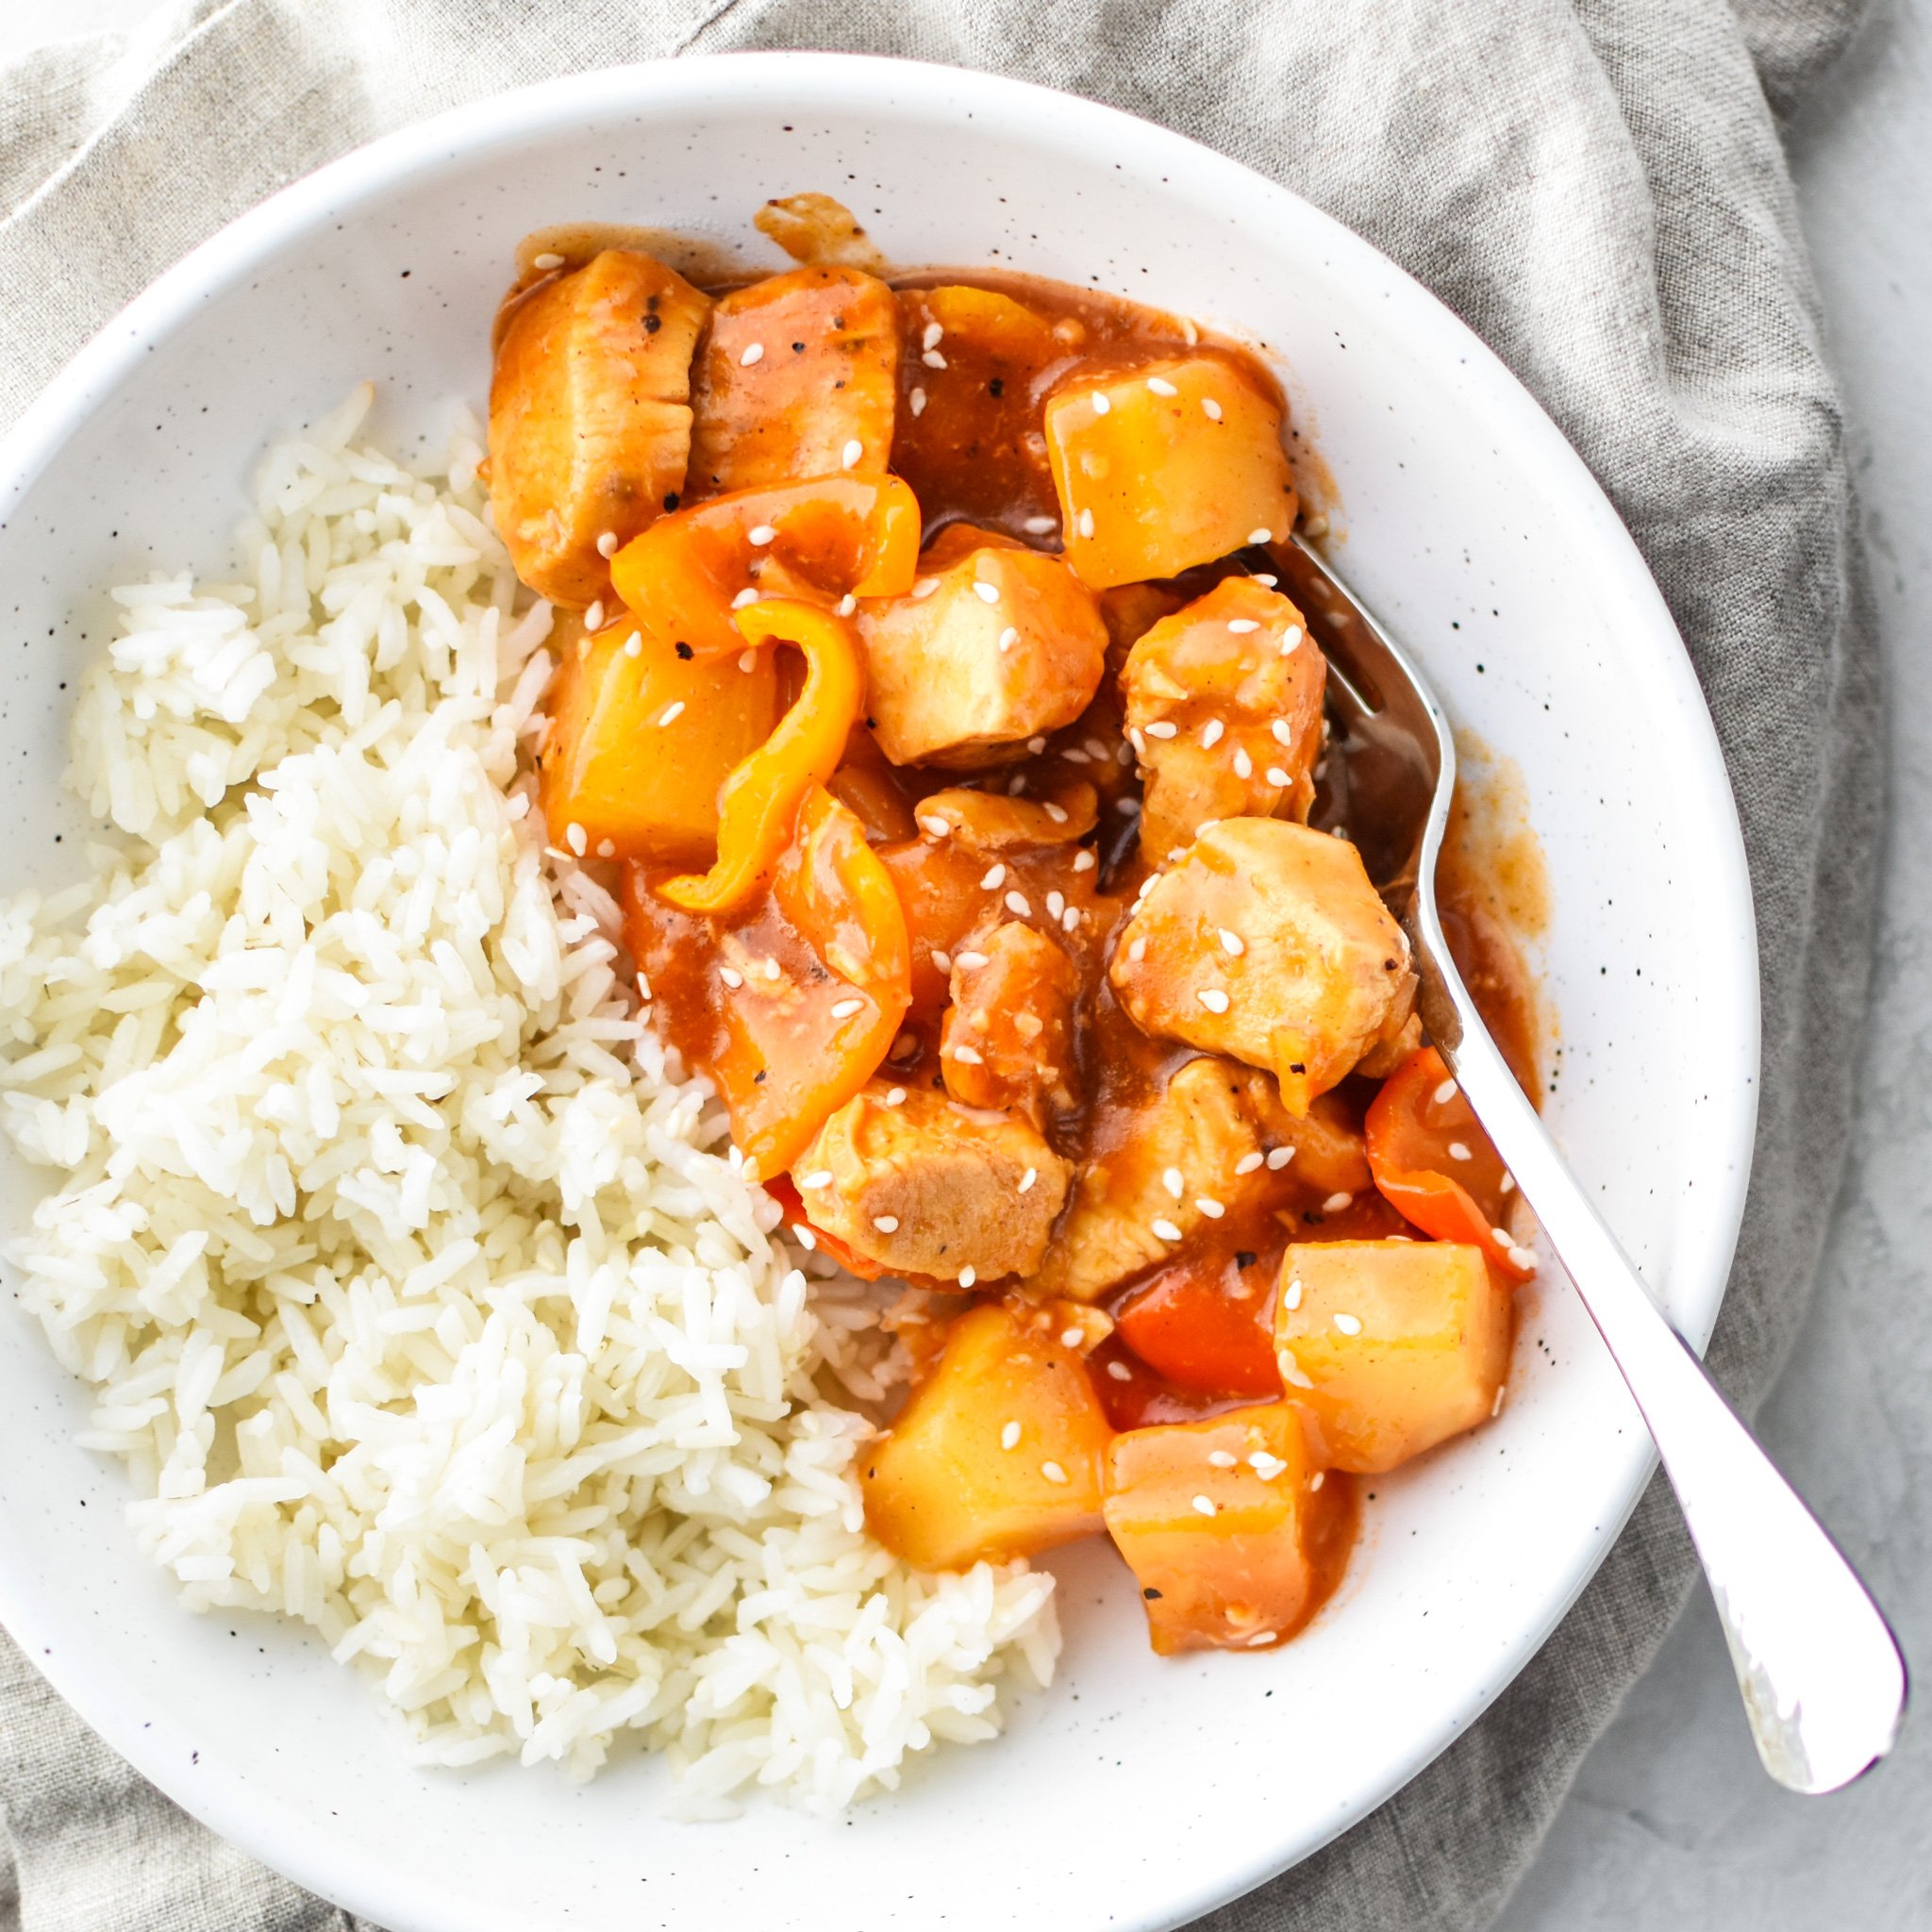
[1597, 187]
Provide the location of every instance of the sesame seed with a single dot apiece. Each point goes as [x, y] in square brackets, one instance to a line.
[933, 359]
[1189, 334]
[1069, 918]
[971, 961]
[1052, 1471]
[754, 352]
[822, 1178]
[746, 660]
[1243, 764]
[1291, 1371]
[1338, 832]
[772, 969]
[1137, 951]
[1241, 625]
[1221, 1458]
[1009, 1436]
[849, 455]
[576, 837]
[1087, 523]
[905, 1046]
[745, 596]
[1205, 1505]
[843, 1009]
[1101, 405]
[1138, 739]
[594, 617]
[1041, 527]
[1263, 535]
[965, 1056]
[1027, 1179]
[1266, 1466]
[1262, 576]
[935, 826]
[1291, 1294]
[1161, 387]
[1502, 1235]
[672, 712]
[1336, 1202]
[1349, 1325]
[918, 401]
[1211, 408]
[606, 543]
[1096, 748]
[986, 592]
[1283, 736]
[546, 261]
[606, 849]
[749, 1169]
[1276, 775]
[1072, 1338]
[805, 1237]
[1162, 727]
[634, 644]
[995, 879]
[930, 339]
[1292, 635]
[1457, 1150]
[1232, 942]
[895, 1096]
[926, 586]
[1120, 1372]
[1010, 635]
[759, 535]
[967, 1275]
[1522, 1257]
[942, 958]
[885, 1223]
[1213, 999]
[1174, 1182]
[1496, 1406]
[1057, 813]
[1248, 1162]
[1055, 905]
[1444, 1093]
[1036, 745]
[1315, 1481]
[1018, 904]
[1084, 860]
[731, 977]
[1508, 1184]
[1209, 1206]
[1165, 1229]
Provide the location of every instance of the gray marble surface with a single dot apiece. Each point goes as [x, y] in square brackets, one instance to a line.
[1671, 1827]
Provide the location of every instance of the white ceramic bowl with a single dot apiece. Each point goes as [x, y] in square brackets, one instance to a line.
[1137, 1793]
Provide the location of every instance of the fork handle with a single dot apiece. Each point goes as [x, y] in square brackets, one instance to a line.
[1822, 1675]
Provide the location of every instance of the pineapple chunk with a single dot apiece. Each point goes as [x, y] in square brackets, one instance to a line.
[999, 1452]
[590, 417]
[1002, 645]
[1391, 1346]
[799, 377]
[1226, 1527]
[639, 741]
[1165, 466]
[1224, 707]
[1266, 942]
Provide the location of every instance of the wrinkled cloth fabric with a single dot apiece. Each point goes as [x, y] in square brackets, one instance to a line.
[1598, 188]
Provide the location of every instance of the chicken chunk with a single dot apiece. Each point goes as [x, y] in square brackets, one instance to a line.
[1225, 708]
[1267, 942]
[997, 648]
[921, 1184]
[590, 417]
[1141, 1193]
[798, 377]
[1167, 465]
[1007, 1040]
[987, 822]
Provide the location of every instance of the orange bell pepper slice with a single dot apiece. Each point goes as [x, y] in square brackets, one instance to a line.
[820, 539]
[1433, 1163]
[758, 803]
[1209, 1323]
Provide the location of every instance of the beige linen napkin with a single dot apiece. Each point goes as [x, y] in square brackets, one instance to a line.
[1596, 186]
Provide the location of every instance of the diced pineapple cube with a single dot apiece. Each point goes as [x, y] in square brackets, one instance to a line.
[1227, 1525]
[999, 1452]
[639, 741]
[1392, 1346]
[1165, 466]
[1266, 942]
[1002, 645]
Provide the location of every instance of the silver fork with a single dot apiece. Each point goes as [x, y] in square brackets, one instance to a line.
[1822, 1675]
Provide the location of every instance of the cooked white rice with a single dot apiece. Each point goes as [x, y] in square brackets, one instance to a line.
[421, 1295]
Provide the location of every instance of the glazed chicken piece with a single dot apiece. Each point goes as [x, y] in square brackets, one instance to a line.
[799, 377]
[1004, 645]
[921, 1184]
[1267, 942]
[1224, 703]
[1142, 1192]
[590, 418]
[1007, 1040]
